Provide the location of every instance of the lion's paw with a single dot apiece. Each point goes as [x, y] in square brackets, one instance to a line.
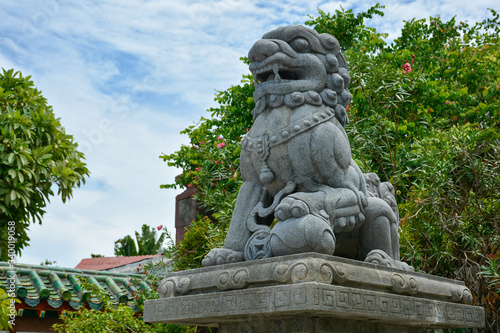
[379, 257]
[291, 207]
[300, 204]
[348, 223]
[220, 256]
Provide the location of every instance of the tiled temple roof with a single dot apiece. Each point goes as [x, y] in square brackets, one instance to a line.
[59, 289]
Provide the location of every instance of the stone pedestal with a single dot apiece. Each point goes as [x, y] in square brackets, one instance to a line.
[312, 293]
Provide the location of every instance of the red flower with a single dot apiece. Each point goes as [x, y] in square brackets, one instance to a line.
[159, 227]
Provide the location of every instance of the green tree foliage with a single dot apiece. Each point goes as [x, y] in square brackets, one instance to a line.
[7, 310]
[451, 218]
[202, 236]
[36, 156]
[125, 247]
[349, 29]
[459, 186]
[145, 243]
[111, 319]
[48, 262]
[425, 116]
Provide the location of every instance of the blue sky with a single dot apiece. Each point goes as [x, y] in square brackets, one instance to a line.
[127, 76]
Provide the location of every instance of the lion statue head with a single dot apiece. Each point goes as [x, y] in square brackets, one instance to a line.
[294, 65]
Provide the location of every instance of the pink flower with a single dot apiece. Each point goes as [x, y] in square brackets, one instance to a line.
[216, 162]
[220, 145]
[159, 227]
[406, 68]
[219, 137]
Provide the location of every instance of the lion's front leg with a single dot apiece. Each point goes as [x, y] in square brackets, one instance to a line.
[379, 239]
[249, 196]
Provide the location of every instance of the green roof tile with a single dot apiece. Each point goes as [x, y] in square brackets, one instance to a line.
[59, 285]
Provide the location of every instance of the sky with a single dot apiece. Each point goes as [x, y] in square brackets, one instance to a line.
[126, 77]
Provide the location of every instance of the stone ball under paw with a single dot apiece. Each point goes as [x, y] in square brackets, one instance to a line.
[308, 233]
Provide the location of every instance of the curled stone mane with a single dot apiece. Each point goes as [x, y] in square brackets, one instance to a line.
[282, 82]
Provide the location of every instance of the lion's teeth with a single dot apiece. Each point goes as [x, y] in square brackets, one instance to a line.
[277, 77]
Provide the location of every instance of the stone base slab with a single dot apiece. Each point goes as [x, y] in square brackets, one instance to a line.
[316, 325]
[255, 297]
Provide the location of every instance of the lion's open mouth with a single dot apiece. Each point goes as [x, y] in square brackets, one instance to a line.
[275, 74]
[281, 74]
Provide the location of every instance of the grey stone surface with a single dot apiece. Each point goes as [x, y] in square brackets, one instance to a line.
[320, 293]
[313, 267]
[299, 324]
[296, 162]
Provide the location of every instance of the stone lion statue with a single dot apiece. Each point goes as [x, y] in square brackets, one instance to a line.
[296, 162]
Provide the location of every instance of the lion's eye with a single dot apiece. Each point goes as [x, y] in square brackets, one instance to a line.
[300, 44]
